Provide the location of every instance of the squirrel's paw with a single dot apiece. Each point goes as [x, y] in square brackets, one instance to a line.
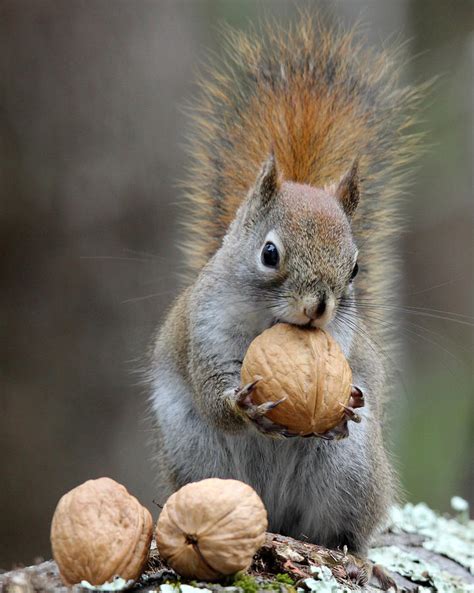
[341, 431]
[257, 413]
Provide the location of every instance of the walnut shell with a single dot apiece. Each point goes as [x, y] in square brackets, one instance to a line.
[99, 531]
[305, 366]
[211, 528]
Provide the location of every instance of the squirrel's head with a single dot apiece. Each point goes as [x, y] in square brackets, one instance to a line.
[298, 254]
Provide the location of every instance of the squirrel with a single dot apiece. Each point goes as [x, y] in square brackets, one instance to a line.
[300, 146]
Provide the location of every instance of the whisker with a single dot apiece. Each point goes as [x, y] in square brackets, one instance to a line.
[433, 287]
[371, 301]
[145, 297]
[371, 341]
[115, 258]
[378, 319]
[422, 312]
[409, 333]
[150, 255]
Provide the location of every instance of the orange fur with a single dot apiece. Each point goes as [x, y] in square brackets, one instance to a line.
[320, 99]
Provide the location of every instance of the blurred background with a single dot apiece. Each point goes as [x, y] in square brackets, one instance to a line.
[91, 149]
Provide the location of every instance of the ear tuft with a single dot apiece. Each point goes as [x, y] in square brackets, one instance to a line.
[267, 184]
[347, 191]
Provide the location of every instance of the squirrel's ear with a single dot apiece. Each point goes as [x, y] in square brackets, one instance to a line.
[267, 183]
[347, 191]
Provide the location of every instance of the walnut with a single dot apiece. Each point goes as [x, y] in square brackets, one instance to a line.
[99, 531]
[305, 366]
[211, 528]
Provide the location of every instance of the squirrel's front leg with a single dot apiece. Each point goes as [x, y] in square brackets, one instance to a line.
[216, 350]
[232, 408]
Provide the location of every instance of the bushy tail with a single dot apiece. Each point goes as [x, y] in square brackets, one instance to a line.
[320, 99]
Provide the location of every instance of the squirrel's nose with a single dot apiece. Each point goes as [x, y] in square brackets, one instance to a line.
[317, 310]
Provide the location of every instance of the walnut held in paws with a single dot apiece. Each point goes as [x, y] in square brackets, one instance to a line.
[211, 528]
[99, 531]
[306, 367]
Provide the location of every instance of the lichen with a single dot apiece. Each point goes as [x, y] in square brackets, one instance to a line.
[191, 589]
[459, 504]
[169, 588]
[419, 571]
[451, 537]
[183, 588]
[117, 584]
[323, 582]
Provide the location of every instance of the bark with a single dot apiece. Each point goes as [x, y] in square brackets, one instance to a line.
[278, 555]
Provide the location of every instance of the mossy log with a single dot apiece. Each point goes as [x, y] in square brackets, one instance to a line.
[421, 551]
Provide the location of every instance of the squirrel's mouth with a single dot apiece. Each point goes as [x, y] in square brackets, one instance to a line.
[304, 323]
[277, 320]
[307, 312]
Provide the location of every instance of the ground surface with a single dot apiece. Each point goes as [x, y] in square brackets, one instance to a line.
[421, 551]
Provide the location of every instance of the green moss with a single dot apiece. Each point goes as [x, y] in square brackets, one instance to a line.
[249, 584]
[245, 582]
[284, 578]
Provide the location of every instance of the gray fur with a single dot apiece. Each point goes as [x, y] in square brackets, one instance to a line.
[332, 493]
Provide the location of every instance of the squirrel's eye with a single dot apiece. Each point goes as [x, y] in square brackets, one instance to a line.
[355, 270]
[270, 255]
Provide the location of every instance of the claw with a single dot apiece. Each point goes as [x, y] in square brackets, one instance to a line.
[341, 431]
[266, 426]
[288, 434]
[356, 399]
[257, 413]
[243, 393]
[267, 406]
[335, 434]
[350, 414]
